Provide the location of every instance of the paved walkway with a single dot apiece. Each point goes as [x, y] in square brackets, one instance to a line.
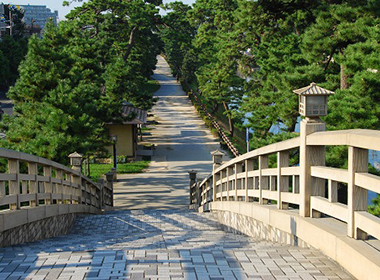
[166, 244]
[182, 143]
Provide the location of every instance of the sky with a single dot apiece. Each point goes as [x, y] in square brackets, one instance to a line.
[57, 4]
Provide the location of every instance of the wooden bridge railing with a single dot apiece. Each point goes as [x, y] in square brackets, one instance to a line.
[31, 181]
[307, 184]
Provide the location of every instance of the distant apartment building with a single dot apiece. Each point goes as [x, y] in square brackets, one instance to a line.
[36, 17]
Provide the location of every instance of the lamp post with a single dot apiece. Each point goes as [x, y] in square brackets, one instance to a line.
[114, 140]
[312, 105]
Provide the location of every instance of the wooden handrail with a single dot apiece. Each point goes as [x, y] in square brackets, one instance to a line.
[57, 185]
[242, 180]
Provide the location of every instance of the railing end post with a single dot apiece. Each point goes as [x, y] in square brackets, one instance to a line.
[193, 180]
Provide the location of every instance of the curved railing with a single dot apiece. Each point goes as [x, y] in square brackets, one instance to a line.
[28, 182]
[307, 184]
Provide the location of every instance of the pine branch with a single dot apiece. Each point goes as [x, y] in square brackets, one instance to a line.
[131, 42]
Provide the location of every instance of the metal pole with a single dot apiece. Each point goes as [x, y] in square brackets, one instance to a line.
[247, 138]
[114, 156]
[10, 22]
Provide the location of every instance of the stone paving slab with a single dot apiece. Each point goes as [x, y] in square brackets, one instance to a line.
[167, 244]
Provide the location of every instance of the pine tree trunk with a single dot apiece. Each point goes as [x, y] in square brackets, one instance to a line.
[215, 108]
[343, 78]
[230, 122]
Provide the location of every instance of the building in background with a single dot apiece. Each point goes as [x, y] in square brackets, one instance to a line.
[36, 17]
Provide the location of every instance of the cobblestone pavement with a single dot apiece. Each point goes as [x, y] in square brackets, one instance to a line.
[168, 244]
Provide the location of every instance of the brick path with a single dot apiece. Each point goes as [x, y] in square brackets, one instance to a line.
[167, 244]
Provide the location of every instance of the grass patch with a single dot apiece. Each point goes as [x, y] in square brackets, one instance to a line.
[98, 170]
[151, 86]
[145, 128]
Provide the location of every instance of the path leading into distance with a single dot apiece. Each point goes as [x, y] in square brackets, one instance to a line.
[165, 241]
[183, 143]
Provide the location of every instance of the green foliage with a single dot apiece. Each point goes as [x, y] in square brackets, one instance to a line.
[177, 35]
[12, 52]
[151, 86]
[375, 208]
[74, 79]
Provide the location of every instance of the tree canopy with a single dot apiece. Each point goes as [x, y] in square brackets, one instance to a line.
[277, 46]
[75, 78]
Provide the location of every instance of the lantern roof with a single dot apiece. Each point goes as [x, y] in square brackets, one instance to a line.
[75, 155]
[313, 89]
[217, 153]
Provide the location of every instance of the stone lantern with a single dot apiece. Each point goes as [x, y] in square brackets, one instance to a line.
[313, 100]
[217, 157]
[76, 161]
[312, 105]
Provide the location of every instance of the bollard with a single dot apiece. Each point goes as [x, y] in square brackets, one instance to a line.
[114, 171]
[101, 184]
[110, 177]
[193, 179]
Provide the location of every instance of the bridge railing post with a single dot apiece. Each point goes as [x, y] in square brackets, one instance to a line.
[194, 192]
[110, 177]
[282, 181]
[249, 182]
[48, 185]
[14, 185]
[217, 158]
[310, 156]
[76, 187]
[102, 193]
[263, 181]
[33, 184]
[357, 198]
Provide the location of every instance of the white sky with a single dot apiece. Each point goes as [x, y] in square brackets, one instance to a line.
[57, 4]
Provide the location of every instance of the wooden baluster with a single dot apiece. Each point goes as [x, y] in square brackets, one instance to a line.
[263, 180]
[229, 173]
[238, 169]
[33, 184]
[333, 191]
[296, 184]
[248, 181]
[357, 199]
[310, 156]
[48, 185]
[77, 190]
[214, 179]
[2, 189]
[272, 183]
[14, 185]
[282, 181]
[59, 186]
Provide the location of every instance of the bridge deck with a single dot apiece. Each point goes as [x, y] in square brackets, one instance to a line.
[166, 244]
